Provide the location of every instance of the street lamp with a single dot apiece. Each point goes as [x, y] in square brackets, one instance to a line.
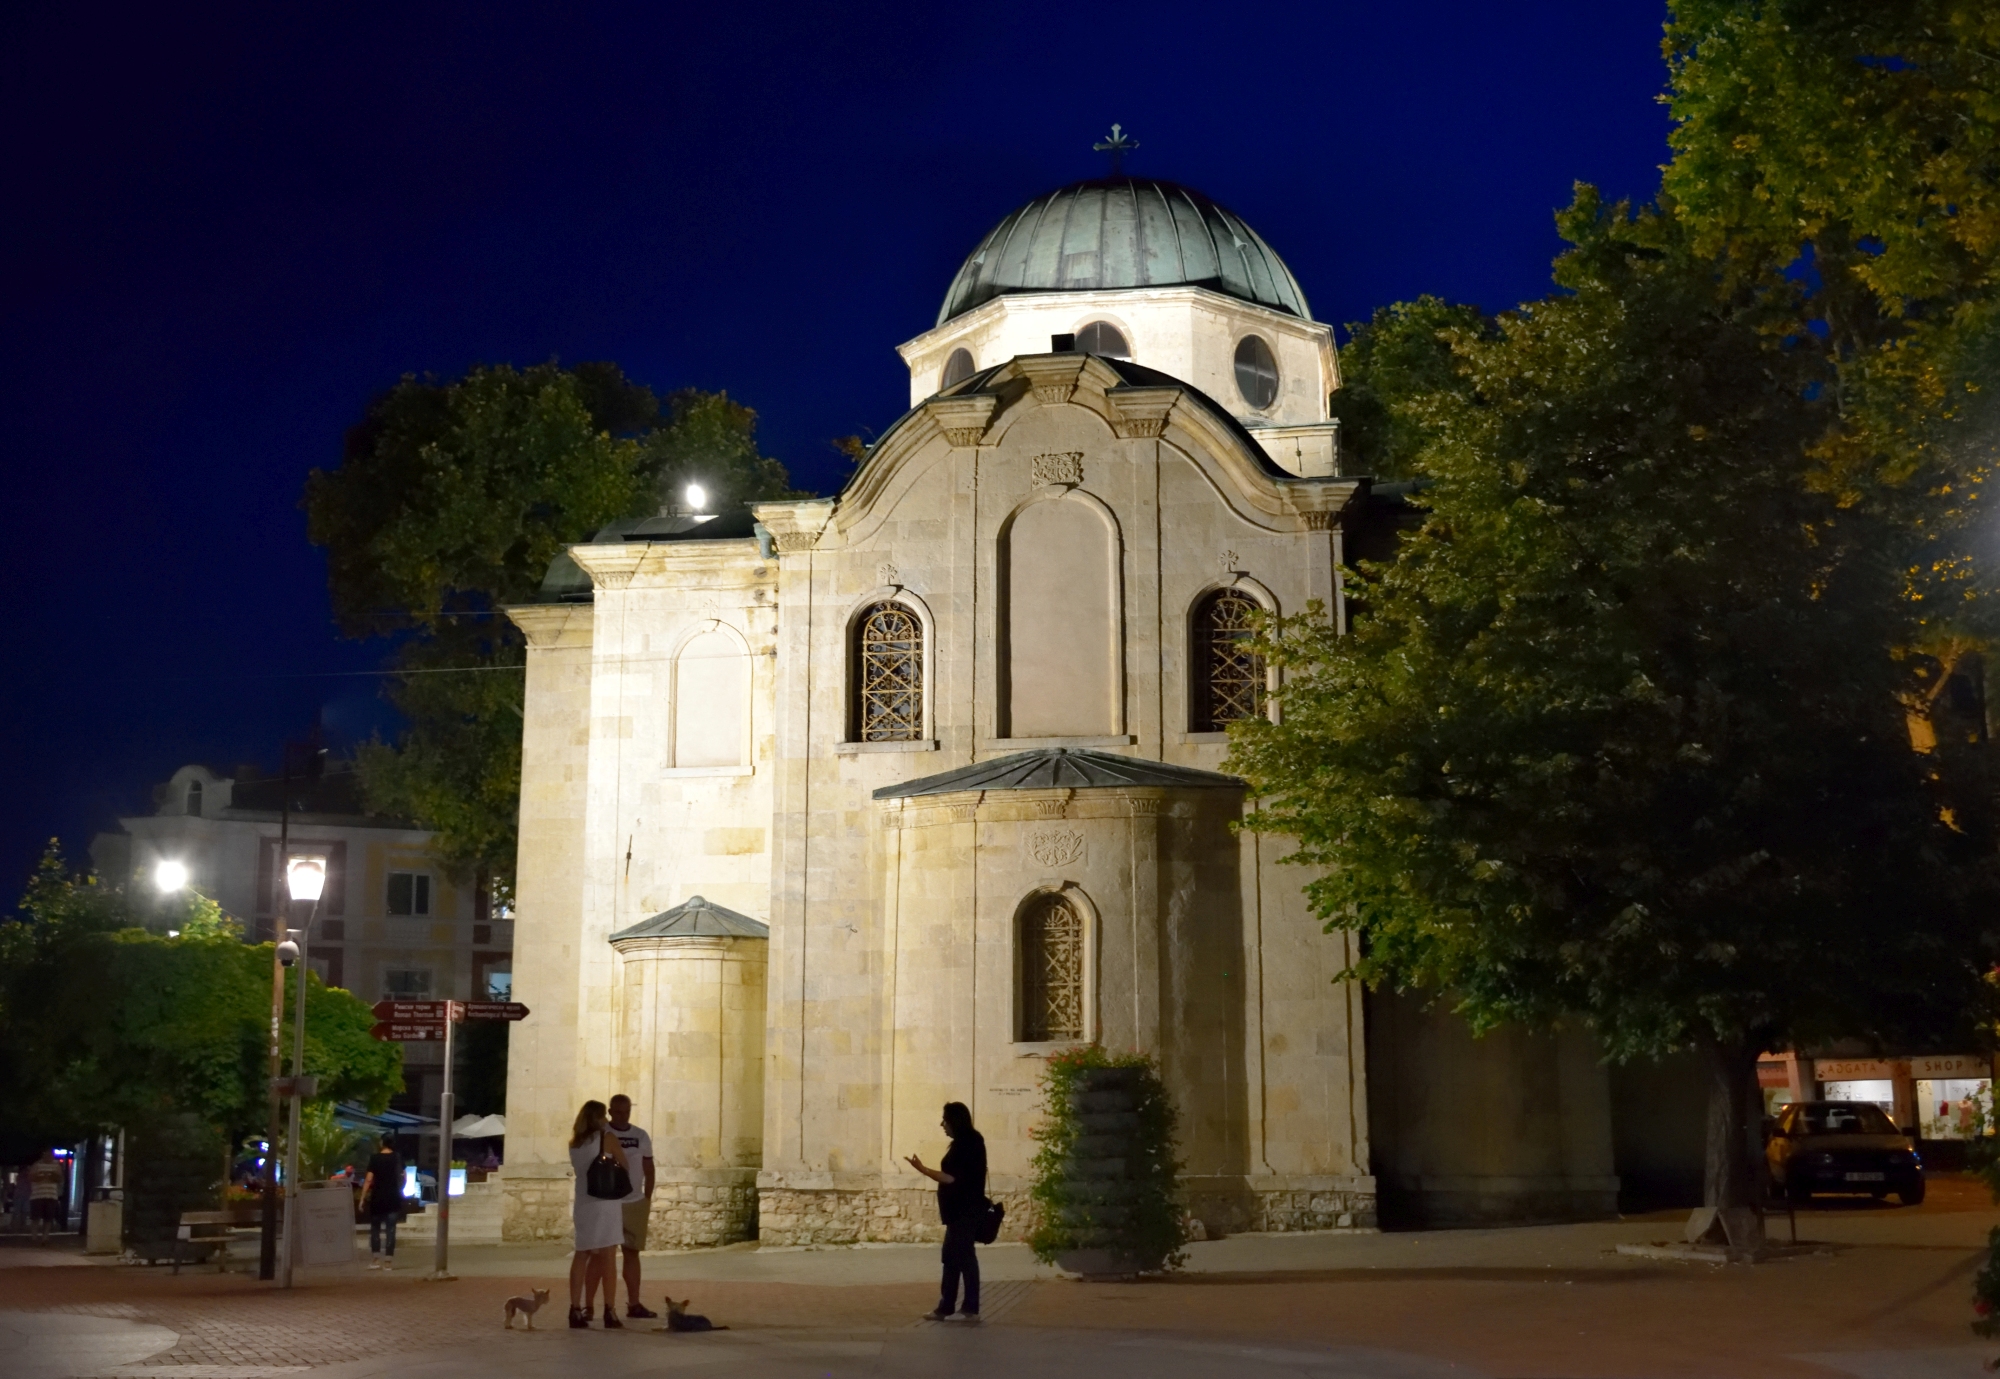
[305, 879]
[170, 875]
[696, 496]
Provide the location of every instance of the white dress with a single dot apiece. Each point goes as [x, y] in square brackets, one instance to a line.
[599, 1222]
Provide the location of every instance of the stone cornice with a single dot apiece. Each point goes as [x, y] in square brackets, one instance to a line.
[963, 419]
[1139, 413]
[554, 626]
[795, 525]
[636, 564]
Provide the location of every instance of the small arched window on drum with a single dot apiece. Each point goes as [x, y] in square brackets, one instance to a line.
[1103, 339]
[888, 675]
[957, 368]
[1256, 371]
[1228, 673]
[1051, 970]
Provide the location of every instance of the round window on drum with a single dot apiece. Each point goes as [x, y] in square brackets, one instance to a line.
[1256, 371]
[1103, 339]
[958, 368]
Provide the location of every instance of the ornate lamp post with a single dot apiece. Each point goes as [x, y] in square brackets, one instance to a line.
[305, 879]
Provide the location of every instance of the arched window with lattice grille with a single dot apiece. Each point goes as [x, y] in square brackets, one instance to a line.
[888, 674]
[1051, 957]
[1228, 674]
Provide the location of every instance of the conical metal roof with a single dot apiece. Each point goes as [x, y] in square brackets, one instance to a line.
[1060, 768]
[695, 917]
[1123, 232]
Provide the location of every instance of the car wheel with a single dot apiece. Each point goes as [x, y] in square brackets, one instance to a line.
[1913, 1195]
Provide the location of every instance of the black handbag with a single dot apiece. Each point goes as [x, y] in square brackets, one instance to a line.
[986, 1229]
[607, 1179]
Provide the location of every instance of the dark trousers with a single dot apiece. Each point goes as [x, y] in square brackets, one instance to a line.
[380, 1224]
[960, 1262]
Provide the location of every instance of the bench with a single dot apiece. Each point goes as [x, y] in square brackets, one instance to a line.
[210, 1228]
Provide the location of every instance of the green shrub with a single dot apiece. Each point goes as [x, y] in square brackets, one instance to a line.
[1105, 1178]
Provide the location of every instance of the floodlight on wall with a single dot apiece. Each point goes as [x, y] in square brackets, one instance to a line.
[170, 875]
[306, 877]
[696, 496]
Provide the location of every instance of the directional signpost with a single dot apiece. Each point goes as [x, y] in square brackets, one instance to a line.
[413, 1022]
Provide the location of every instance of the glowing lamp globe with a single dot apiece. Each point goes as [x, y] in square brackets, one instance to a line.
[170, 875]
[306, 877]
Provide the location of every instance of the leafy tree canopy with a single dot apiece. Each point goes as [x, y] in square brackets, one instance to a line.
[1621, 736]
[1388, 366]
[1855, 145]
[103, 1023]
[451, 500]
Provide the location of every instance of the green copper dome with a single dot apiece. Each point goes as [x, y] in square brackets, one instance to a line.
[1123, 232]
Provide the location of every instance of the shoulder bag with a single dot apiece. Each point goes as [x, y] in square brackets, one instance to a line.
[607, 1179]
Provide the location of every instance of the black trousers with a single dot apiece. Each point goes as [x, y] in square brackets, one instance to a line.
[960, 1262]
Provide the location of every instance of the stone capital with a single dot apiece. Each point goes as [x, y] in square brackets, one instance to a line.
[1141, 413]
[1052, 376]
[962, 419]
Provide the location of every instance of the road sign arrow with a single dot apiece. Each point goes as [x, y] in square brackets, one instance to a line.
[408, 1032]
[495, 1010]
[410, 1010]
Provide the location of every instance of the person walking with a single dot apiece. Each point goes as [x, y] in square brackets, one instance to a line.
[44, 1194]
[599, 1221]
[637, 1209]
[382, 1199]
[961, 1193]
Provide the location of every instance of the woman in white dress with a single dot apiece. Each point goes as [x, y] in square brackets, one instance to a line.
[600, 1221]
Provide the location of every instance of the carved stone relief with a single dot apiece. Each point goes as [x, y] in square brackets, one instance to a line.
[1056, 469]
[1055, 847]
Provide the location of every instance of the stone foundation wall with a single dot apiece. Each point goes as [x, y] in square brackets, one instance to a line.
[537, 1204]
[1312, 1211]
[713, 1209]
[1226, 1207]
[847, 1216]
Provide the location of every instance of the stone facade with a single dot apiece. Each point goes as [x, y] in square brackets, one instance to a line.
[1048, 532]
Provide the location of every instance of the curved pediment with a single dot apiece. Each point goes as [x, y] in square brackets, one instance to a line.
[1127, 402]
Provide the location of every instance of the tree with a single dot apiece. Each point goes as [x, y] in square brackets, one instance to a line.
[1620, 737]
[1403, 353]
[451, 500]
[103, 1023]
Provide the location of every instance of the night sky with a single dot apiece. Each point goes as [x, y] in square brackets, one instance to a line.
[232, 226]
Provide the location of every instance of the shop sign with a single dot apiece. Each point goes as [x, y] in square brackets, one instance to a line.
[1858, 1069]
[1950, 1065]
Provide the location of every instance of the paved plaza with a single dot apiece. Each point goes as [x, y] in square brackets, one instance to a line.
[1886, 1298]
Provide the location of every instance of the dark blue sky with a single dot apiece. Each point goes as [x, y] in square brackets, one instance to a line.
[232, 225]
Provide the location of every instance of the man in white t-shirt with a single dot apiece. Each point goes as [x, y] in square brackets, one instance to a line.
[638, 1146]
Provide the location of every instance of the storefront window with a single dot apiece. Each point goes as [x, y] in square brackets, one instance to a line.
[1955, 1108]
[1881, 1091]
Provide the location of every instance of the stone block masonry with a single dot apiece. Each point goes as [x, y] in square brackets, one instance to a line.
[848, 1216]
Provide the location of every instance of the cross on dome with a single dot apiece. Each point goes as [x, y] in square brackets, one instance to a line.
[1117, 145]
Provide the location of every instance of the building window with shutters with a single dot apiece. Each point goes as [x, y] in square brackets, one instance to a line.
[1228, 674]
[888, 674]
[1051, 970]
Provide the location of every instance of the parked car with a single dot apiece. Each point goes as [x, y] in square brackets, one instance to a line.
[1842, 1146]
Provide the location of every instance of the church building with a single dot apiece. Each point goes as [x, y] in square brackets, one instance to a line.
[843, 808]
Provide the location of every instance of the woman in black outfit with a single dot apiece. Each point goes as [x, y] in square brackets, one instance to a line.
[961, 1181]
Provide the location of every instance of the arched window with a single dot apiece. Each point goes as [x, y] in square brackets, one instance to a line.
[1256, 371]
[1051, 970]
[1228, 680]
[194, 798]
[1103, 338]
[888, 675]
[958, 368]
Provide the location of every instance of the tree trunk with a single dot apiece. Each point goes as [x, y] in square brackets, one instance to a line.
[1735, 1126]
